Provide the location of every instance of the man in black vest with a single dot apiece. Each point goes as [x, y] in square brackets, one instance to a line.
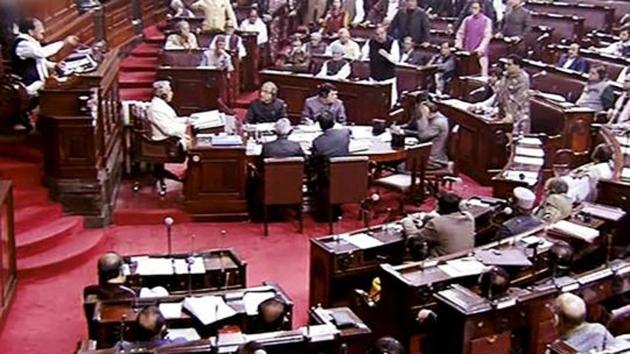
[411, 21]
[383, 53]
[30, 63]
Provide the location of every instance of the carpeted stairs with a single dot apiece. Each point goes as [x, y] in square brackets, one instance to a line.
[46, 240]
[138, 71]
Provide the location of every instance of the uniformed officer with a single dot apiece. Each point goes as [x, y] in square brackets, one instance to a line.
[523, 220]
[513, 95]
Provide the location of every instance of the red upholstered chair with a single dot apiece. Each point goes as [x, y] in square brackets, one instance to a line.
[411, 185]
[156, 152]
[346, 183]
[282, 185]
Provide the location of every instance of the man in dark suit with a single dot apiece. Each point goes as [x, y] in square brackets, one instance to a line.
[572, 60]
[332, 142]
[282, 147]
[523, 220]
[516, 21]
[408, 53]
[412, 21]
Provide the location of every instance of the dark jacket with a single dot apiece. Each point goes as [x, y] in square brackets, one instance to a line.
[516, 225]
[579, 64]
[282, 147]
[516, 22]
[411, 23]
[259, 112]
[445, 8]
[414, 58]
[332, 143]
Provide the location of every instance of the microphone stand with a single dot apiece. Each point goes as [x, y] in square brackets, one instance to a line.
[121, 337]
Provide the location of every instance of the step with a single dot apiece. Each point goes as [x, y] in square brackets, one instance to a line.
[136, 94]
[72, 252]
[47, 236]
[139, 64]
[23, 174]
[155, 39]
[23, 198]
[143, 79]
[146, 50]
[126, 217]
[34, 216]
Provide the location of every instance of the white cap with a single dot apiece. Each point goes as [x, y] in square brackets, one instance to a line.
[160, 87]
[525, 198]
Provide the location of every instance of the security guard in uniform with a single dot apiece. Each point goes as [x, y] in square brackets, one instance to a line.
[524, 220]
[513, 95]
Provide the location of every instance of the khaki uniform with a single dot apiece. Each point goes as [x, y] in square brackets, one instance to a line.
[445, 234]
[554, 208]
[513, 100]
[217, 13]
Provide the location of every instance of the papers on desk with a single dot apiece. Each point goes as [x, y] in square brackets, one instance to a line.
[252, 299]
[208, 309]
[362, 241]
[171, 310]
[522, 151]
[568, 228]
[359, 145]
[530, 141]
[309, 128]
[542, 242]
[625, 173]
[603, 211]
[197, 266]
[529, 160]
[208, 120]
[462, 267]
[505, 257]
[552, 96]
[226, 140]
[260, 127]
[158, 291]
[189, 333]
[319, 333]
[528, 177]
[153, 266]
[253, 149]
[361, 132]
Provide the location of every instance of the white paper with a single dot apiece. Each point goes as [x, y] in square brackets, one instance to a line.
[361, 132]
[208, 309]
[252, 299]
[359, 145]
[362, 240]
[209, 119]
[625, 173]
[158, 291]
[153, 266]
[530, 141]
[323, 332]
[462, 267]
[189, 333]
[523, 151]
[171, 310]
[197, 267]
[579, 231]
[529, 160]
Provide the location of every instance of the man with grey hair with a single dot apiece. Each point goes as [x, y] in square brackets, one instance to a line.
[557, 204]
[282, 147]
[336, 68]
[353, 50]
[182, 39]
[267, 107]
[570, 320]
[163, 118]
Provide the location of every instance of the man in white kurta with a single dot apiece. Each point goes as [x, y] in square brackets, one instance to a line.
[164, 120]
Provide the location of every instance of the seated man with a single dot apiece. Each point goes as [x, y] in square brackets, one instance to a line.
[523, 220]
[325, 101]
[332, 142]
[182, 39]
[233, 42]
[429, 125]
[163, 118]
[218, 56]
[335, 19]
[297, 59]
[110, 279]
[452, 231]
[180, 9]
[570, 321]
[387, 345]
[583, 180]
[572, 59]
[337, 67]
[557, 205]
[598, 93]
[271, 315]
[445, 62]
[315, 46]
[409, 54]
[620, 48]
[266, 108]
[282, 147]
[353, 51]
[29, 60]
[150, 331]
[253, 23]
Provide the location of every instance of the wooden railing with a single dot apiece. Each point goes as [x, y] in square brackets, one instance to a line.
[8, 268]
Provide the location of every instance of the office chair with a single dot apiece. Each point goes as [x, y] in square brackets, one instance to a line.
[448, 174]
[346, 182]
[282, 185]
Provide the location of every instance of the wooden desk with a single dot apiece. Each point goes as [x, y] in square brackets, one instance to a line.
[614, 65]
[109, 315]
[215, 183]
[621, 7]
[195, 89]
[8, 270]
[363, 101]
[358, 338]
[81, 129]
[565, 27]
[481, 143]
[599, 17]
[224, 270]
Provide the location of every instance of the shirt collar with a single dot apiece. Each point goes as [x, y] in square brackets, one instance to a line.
[28, 37]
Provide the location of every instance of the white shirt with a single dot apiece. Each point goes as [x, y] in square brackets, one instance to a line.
[31, 48]
[342, 74]
[359, 12]
[353, 50]
[568, 63]
[259, 27]
[164, 121]
[499, 9]
[621, 114]
[614, 48]
[583, 183]
[239, 43]
[392, 9]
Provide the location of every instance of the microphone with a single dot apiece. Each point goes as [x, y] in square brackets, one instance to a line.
[476, 91]
[540, 74]
[168, 223]
[366, 208]
[121, 337]
[343, 349]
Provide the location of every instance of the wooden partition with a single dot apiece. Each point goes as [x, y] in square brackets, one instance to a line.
[599, 17]
[8, 268]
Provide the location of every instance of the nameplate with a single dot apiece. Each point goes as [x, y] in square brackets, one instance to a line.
[506, 303]
[570, 287]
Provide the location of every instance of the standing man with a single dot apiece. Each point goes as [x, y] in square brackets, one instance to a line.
[383, 54]
[30, 61]
[315, 10]
[253, 23]
[268, 107]
[411, 21]
[216, 13]
[325, 101]
[475, 34]
[513, 95]
[516, 22]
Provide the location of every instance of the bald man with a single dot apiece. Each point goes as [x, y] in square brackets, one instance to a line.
[150, 332]
[570, 320]
[111, 278]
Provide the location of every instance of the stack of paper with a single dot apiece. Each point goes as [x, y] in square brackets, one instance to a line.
[359, 145]
[530, 141]
[574, 230]
[153, 266]
[505, 257]
[208, 309]
[189, 333]
[603, 211]
[319, 333]
[531, 152]
[529, 160]
[227, 140]
[196, 267]
[158, 291]
[208, 120]
[171, 310]
[362, 241]
[252, 299]
[462, 267]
